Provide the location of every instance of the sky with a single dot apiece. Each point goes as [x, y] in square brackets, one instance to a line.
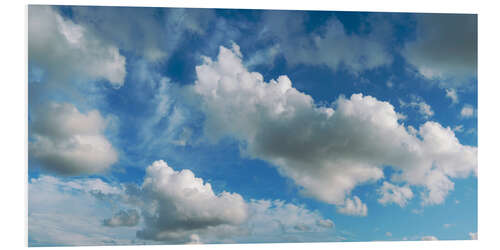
[177, 126]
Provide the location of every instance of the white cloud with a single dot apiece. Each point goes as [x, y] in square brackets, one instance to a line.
[445, 48]
[124, 218]
[447, 225]
[458, 128]
[429, 238]
[175, 207]
[66, 50]
[69, 213]
[388, 234]
[422, 107]
[330, 45]
[452, 94]
[394, 194]
[158, 36]
[326, 152]
[68, 142]
[275, 217]
[178, 205]
[353, 207]
[467, 111]
[473, 236]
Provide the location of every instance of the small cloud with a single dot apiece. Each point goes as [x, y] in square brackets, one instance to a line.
[467, 111]
[452, 94]
[417, 211]
[447, 225]
[388, 234]
[458, 128]
[422, 107]
[389, 84]
[429, 238]
[473, 236]
[353, 207]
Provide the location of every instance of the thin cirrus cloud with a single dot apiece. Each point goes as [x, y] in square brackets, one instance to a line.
[68, 142]
[336, 149]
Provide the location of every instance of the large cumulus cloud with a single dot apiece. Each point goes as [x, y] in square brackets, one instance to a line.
[68, 142]
[326, 150]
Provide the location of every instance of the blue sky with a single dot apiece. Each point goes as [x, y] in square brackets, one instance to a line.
[171, 126]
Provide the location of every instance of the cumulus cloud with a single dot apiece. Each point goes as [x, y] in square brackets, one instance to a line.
[391, 193]
[326, 151]
[353, 207]
[182, 204]
[467, 111]
[68, 142]
[429, 238]
[473, 236]
[66, 50]
[445, 48]
[124, 218]
[169, 206]
[329, 45]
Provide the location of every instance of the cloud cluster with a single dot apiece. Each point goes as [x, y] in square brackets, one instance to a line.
[66, 50]
[158, 38]
[124, 218]
[329, 45]
[326, 151]
[68, 142]
[64, 212]
[169, 206]
[445, 48]
[391, 193]
[422, 107]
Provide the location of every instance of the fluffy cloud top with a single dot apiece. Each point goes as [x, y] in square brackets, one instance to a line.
[65, 49]
[325, 151]
[394, 194]
[182, 204]
[353, 207]
[68, 142]
[445, 48]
